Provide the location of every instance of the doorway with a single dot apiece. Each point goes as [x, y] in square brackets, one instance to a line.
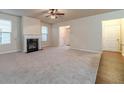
[64, 36]
[111, 35]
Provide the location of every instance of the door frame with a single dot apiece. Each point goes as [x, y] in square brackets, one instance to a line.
[59, 33]
[102, 35]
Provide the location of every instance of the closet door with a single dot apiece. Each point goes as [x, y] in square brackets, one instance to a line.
[111, 35]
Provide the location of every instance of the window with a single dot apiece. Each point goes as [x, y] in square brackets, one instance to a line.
[5, 32]
[44, 33]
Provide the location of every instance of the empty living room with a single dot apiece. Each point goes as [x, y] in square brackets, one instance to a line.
[61, 46]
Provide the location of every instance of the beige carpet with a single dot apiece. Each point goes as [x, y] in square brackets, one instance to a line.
[51, 65]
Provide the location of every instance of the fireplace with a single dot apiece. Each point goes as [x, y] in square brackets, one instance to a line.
[32, 45]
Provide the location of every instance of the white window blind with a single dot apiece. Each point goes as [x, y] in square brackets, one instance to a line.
[5, 31]
[44, 33]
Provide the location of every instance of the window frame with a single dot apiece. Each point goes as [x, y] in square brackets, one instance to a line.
[46, 34]
[10, 32]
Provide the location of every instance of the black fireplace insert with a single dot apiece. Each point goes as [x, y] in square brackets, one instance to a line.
[32, 45]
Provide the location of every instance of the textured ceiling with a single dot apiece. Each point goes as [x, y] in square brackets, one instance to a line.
[69, 13]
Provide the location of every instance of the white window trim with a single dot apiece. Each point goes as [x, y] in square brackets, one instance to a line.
[45, 34]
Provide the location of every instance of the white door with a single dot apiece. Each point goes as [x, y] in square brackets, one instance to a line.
[8, 33]
[111, 35]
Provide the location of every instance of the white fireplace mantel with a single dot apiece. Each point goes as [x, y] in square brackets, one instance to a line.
[31, 36]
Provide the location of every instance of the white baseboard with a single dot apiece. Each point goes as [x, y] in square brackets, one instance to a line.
[87, 50]
[12, 51]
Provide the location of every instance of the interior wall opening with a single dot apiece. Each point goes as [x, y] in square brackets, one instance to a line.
[64, 36]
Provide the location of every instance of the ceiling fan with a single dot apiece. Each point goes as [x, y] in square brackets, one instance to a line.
[53, 13]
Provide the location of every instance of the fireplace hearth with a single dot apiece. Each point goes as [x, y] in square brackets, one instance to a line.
[32, 45]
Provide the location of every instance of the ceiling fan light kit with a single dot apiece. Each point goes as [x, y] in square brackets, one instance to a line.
[53, 17]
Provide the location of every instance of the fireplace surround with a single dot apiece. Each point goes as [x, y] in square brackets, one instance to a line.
[32, 45]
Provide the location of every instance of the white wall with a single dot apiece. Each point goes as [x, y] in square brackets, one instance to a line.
[122, 36]
[55, 35]
[62, 31]
[86, 33]
[68, 36]
[31, 25]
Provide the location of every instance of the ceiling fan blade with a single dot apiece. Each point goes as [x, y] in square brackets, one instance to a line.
[59, 14]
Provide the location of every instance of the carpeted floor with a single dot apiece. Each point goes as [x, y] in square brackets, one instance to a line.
[49, 66]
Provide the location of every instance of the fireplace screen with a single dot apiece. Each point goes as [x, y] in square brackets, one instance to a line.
[32, 45]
